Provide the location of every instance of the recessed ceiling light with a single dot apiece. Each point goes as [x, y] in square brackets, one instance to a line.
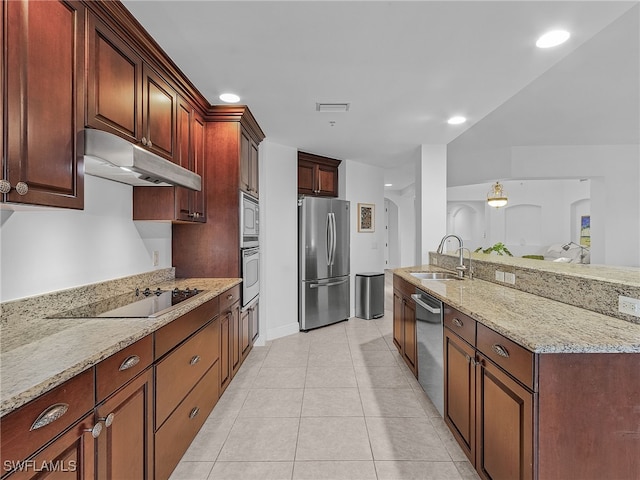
[456, 120]
[553, 38]
[229, 98]
[388, 184]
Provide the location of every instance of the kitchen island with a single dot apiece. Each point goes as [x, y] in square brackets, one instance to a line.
[534, 388]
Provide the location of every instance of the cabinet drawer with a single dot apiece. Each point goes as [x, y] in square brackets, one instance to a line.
[229, 297]
[175, 436]
[65, 404]
[516, 360]
[175, 332]
[180, 371]
[459, 323]
[121, 367]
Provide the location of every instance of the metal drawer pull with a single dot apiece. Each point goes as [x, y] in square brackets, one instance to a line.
[500, 350]
[50, 415]
[96, 430]
[194, 412]
[129, 362]
[108, 420]
[194, 360]
[229, 297]
[457, 322]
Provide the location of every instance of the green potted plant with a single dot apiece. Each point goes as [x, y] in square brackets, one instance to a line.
[498, 248]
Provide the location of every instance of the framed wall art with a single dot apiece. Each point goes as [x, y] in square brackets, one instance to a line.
[366, 217]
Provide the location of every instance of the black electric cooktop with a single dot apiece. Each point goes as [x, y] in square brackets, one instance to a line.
[139, 304]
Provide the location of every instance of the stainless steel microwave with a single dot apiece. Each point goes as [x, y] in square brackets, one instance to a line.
[249, 221]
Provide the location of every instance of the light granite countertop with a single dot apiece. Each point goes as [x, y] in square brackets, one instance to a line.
[38, 354]
[537, 323]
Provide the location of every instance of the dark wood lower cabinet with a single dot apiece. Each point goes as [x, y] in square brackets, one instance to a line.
[70, 457]
[176, 434]
[504, 425]
[459, 394]
[125, 446]
[404, 323]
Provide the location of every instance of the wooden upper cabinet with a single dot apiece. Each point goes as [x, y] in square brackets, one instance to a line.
[198, 212]
[317, 175]
[248, 165]
[114, 84]
[159, 101]
[178, 204]
[44, 110]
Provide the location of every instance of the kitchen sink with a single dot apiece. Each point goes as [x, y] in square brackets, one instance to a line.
[435, 276]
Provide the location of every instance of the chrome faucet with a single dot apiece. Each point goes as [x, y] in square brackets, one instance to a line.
[461, 267]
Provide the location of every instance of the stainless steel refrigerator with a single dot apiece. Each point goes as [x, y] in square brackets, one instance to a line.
[323, 261]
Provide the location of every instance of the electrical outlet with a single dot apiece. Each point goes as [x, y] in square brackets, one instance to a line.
[499, 276]
[628, 305]
[156, 258]
[510, 278]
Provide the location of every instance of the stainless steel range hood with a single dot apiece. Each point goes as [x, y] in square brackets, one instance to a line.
[109, 156]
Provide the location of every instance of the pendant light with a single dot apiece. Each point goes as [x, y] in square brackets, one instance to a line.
[497, 197]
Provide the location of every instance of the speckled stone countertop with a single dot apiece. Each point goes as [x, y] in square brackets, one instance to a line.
[38, 354]
[537, 323]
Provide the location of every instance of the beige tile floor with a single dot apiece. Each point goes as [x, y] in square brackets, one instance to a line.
[334, 403]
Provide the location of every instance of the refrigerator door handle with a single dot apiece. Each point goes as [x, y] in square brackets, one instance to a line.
[330, 284]
[329, 239]
[334, 237]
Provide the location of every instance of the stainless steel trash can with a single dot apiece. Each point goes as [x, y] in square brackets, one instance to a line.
[369, 295]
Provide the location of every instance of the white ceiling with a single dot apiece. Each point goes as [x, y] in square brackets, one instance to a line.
[404, 66]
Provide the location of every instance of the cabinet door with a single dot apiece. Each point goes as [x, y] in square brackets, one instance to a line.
[235, 334]
[255, 322]
[410, 350]
[225, 371]
[253, 170]
[125, 445]
[245, 334]
[397, 321]
[504, 425]
[327, 181]
[306, 177]
[44, 72]
[198, 204]
[159, 103]
[114, 83]
[183, 157]
[459, 391]
[245, 162]
[70, 457]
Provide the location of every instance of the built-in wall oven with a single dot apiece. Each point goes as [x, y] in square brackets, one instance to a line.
[249, 221]
[429, 332]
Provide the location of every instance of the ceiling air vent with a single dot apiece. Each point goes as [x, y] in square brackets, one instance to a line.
[332, 107]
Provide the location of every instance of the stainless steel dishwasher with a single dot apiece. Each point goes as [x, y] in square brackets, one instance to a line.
[429, 336]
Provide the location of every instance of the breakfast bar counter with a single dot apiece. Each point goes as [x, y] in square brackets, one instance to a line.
[539, 324]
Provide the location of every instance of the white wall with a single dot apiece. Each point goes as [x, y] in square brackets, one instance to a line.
[278, 240]
[431, 199]
[405, 200]
[365, 184]
[44, 249]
